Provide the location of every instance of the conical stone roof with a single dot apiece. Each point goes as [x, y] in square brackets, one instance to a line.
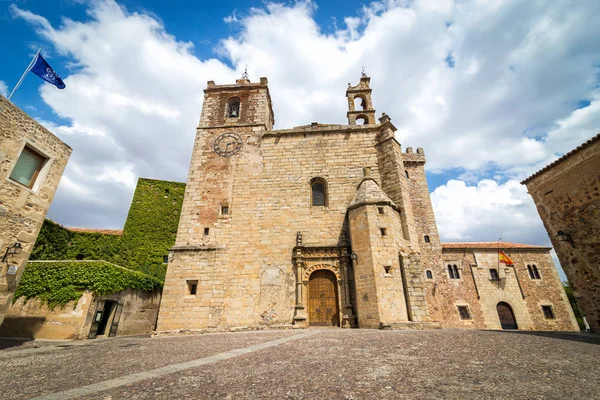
[369, 192]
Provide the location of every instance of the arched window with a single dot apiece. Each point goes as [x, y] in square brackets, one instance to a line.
[456, 274]
[360, 103]
[233, 107]
[429, 274]
[362, 120]
[453, 272]
[530, 270]
[426, 239]
[534, 273]
[406, 173]
[318, 188]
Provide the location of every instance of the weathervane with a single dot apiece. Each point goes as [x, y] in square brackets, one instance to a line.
[363, 72]
[245, 74]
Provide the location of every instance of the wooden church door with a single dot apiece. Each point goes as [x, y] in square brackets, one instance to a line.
[322, 299]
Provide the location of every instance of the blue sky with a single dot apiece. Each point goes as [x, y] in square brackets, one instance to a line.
[492, 90]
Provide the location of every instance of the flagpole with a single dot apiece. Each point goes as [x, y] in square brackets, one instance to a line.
[25, 73]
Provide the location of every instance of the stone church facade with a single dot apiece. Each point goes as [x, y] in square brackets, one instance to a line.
[332, 225]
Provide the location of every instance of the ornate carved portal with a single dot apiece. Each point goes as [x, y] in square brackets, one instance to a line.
[336, 259]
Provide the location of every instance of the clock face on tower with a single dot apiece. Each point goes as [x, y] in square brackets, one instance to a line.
[227, 144]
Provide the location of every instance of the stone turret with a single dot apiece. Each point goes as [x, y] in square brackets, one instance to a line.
[375, 235]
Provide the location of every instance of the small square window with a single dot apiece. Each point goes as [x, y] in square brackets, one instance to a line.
[224, 210]
[380, 210]
[548, 312]
[192, 287]
[28, 167]
[206, 231]
[494, 274]
[387, 268]
[463, 311]
[383, 231]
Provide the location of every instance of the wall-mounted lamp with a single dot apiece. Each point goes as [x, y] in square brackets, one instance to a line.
[565, 237]
[14, 249]
[165, 259]
[354, 256]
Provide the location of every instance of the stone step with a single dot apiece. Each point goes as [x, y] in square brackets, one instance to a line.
[410, 325]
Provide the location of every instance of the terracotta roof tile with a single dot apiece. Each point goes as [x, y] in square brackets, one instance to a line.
[491, 245]
[93, 230]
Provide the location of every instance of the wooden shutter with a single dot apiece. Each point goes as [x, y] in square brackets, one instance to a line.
[115, 321]
[97, 317]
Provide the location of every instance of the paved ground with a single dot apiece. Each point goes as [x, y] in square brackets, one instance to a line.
[308, 364]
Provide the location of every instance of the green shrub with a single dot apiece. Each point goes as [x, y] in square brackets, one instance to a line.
[58, 283]
[149, 233]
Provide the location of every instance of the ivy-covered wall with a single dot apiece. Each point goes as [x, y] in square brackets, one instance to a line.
[59, 282]
[149, 232]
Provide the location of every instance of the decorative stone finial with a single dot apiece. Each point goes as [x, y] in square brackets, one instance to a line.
[298, 238]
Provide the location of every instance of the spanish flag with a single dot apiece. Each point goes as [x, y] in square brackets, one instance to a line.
[504, 258]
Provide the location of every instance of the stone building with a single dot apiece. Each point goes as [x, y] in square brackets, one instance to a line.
[32, 161]
[567, 196]
[331, 225]
[127, 312]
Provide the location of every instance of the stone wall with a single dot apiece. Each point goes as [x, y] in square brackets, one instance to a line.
[567, 196]
[267, 189]
[481, 294]
[33, 319]
[22, 210]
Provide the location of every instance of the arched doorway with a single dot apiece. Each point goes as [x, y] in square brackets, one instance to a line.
[323, 299]
[506, 315]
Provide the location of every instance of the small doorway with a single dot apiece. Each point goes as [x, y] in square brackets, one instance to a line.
[106, 319]
[323, 299]
[506, 315]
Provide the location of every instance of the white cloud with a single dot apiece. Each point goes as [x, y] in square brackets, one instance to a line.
[133, 105]
[486, 212]
[3, 89]
[503, 110]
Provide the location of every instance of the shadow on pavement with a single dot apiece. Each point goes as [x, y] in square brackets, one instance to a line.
[584, 337]
[6, 343]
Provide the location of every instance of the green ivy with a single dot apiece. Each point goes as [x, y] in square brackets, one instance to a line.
[58, 283]
[149, 233]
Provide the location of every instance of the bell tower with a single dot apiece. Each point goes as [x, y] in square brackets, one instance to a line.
[360, 105]
[243, 103]
[234, 117]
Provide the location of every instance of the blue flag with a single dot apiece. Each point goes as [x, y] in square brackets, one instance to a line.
[44, 71]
